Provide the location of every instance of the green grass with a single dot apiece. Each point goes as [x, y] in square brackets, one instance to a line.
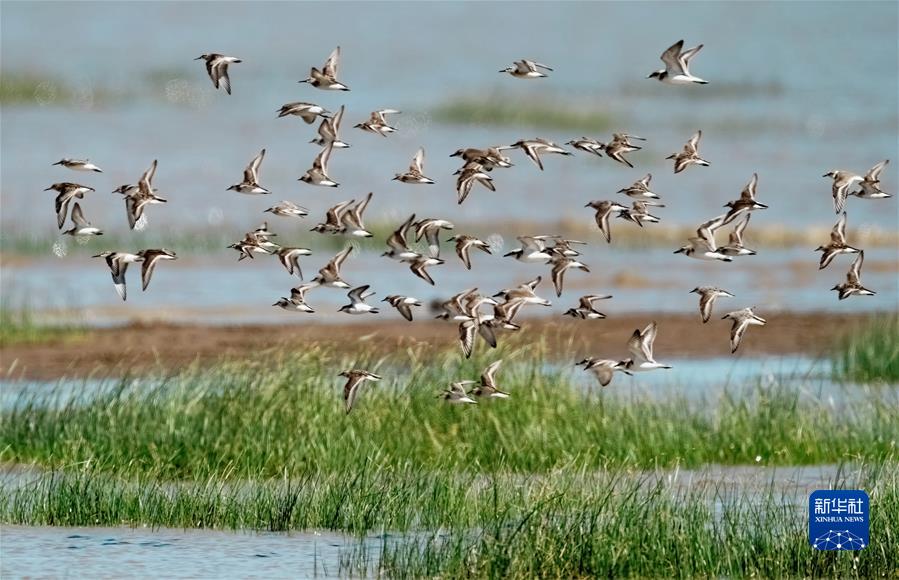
[500, 110]
[871, 354]
[18, 326]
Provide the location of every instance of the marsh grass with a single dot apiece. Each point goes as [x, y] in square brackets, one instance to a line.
[18, 326]
[872, 353]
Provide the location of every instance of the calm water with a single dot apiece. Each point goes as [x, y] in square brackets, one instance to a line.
[776, 105]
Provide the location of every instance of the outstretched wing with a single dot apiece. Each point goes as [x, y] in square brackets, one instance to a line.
[330, 68]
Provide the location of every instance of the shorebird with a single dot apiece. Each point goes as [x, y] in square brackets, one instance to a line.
[403, 304]
[305, 111]
[677, 66]
[418, 265]
[318, 174]
[142, 196]
[638, 213]
[297, 300]
[487, 158]
[81, 227]
[456, 395]
[689, 155]
[118, 263]
[377, 122]
[429, 228]
[735, 245]
[562, 247]
[487, 388]
[470, 329]
[603, 209]
[470, 174]
[458, 307]
[250, 184]
[333, 223]
[351, 219]
[585, 309]
[217, 68]
[842, 181]
[357, 303]
[837, 244]
[640, 189]
[67, 192]
[326, 78]
[355, 378]
[288, 209]
[619, 145]
[562, 264]
[252, 244]
[149, 259]
[463, 248]
[589, 145]
[853, 284]
[707, 297]
[742, 320]
[78, 165]
[398, 247]
[703, 245]
[290, 259]
[746, 203]
[329, 129]
[533, 249]
[524, 292]
[640, 347]
[534, 147]
[603, 369]
[415, 174]
[330, 275]
[870, 185]
[526, 69]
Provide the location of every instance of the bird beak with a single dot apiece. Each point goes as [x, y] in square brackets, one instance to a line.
[199, 58]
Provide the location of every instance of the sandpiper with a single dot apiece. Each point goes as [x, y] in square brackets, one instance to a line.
[318, 174]
[703, 245]
[837, 244]
[377, 122]
[290, 259]
[82, 227]
[707, 297]
[603, 369]
[357, 303]
[329, 129]
[470, 329]
[589, 145]
[351, 219]
[562, 247]
[638, 213]
[429, 228]
[533, 249]
[330, 275]
[524, 292]
[403, 304]
[562, 264]
[842, 181]
[458, 308]
[355, 378]
[619, 145]
[689, 155]
[677, 66]
[534, 147]
[603, 209]
[217, 68]
[486, 388]
[640, 347]
[397, 244]
[144, 195]
[297, 300]
[463, 247]
[526, 69]
[150, 258]
[326, 78]
[870, 185]
[251, 244]
[418, 265]
[456, 395]
[470, 174]
[78, 165]
[585, 309]
[288, 209]
[118, 263]
[640, 189]
[305, 111]
[67, 192]
[735, 245]
[333, 223]
[487, 158]
[853, 284]
[747, 201]
[742, 320]
[250, 184]
[415, 174]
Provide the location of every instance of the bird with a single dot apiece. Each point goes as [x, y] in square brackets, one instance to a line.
[67, 191]
[470, 174]
[742, 319]
[326, 78]
[677, 66]
[297, 300]
[288, 209]
[534, 147]
[351, 219]
[78, 165]
[357, 303]
[853, 284]
[735, 245]
[81, 227]
[870, 185]
[562, 247]
[837, 244]
[585, 309]
[355, 378]
[703, 245]
[456, 395]
[415, 174]
[487, 158]
[638, 213]
[746, 203]
[118, 264]
[707, 297]
[149, 259]
[589, 145]
[526, 69]
[689, 155]
[525, 293]
[640, 347]
[318, 174]
[305, 111]
[418, 265]
[459, 308]
[603, 209]
[333, 223]
[250, 245]
[603, 369]
[619, 145]
[468, 332]
[217, 68]
[377, 122]
[250, 184]
[562, 264]
[398, 247]
[486, 388]
[429, 228]
[842, 181]
[403, 304]
[463, 247]
[142, 196]
[290, 259]
[329, 129]
[330, 274]
[533, 249]
[640, 189]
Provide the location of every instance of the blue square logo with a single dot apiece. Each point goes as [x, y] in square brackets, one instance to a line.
[839, 519]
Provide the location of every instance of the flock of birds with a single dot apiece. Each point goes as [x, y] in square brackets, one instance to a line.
[465, 308]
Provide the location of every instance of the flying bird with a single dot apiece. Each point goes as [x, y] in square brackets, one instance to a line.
[837, 244]
[689, 155]
[677, 66]
[707, 297]
[355, 378]
[217, 68]
[742, 319]
[326, 78]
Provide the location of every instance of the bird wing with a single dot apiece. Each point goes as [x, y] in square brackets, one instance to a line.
[78, 216]
[692, 145]
[251, 173]
[145, 185]
[855, 270]
[737, 330]
[687, 55]
[736, 236]
[337, 260]
[706, 302]
[351, 389]
[62, 208]
[418, 268]
[748, 192]
[466, 336]
[873, 175]
[487, 379]
[405, 310]
[418, 161]
[357, 294]
[838, 233]
[321, 160]
[671, 57]
[706, 230]
[603, 373]
[463, 250]
[147, 267]
[331, 65]
[118, 276]
[221, 72]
